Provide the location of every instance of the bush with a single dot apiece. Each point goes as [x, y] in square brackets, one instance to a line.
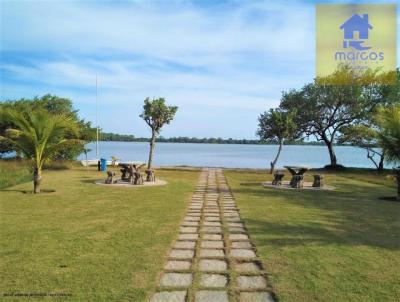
[60, 165]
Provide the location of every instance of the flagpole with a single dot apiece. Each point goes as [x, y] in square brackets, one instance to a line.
[97, 124]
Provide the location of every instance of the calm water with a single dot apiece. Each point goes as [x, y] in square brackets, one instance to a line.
[229, 156]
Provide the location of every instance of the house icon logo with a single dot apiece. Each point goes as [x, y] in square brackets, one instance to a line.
[356, 24]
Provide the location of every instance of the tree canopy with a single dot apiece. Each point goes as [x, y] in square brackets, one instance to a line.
[156, 113]
[328, 105]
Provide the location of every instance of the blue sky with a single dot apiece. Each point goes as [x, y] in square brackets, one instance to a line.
[221, 62]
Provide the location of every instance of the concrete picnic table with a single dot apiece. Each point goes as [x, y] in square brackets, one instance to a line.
[132, 168]
[297, 175]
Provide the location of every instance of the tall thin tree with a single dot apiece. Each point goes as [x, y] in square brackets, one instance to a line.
[156, 114]
[276, 126]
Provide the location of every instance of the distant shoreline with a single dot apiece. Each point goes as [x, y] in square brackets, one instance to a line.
[223, 142]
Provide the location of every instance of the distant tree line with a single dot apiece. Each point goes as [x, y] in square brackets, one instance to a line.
[107, 136]
[114, 137]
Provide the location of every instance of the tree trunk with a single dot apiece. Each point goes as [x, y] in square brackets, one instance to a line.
[273, 163]
[152, 145]
[380, 167]
[332, 154]
[37, 179]
[398, 186]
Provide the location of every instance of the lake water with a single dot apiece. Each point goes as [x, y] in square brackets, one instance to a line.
[230, 156]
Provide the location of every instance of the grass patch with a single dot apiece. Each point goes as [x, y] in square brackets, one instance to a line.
[94, 242]
[341, 245]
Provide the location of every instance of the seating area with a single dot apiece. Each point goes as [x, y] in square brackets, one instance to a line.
[297, 180]
[131, 174]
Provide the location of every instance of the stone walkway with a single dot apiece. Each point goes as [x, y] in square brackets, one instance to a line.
[213, 259]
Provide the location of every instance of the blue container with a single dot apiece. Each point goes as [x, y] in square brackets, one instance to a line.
[103, 164]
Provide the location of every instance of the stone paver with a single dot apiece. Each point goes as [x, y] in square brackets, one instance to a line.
[190, 230]
[241, 245]
[210, 253]
[242, 253]
[190, 223]
[212, 236]
[237, 230]
[178, 265]
[173, 296]
[211, 296]
[247, 267]
[176, 279]
[212, 230]
[212, 223]
[238, 237]
[181, 254]
[251, 282]
[213, 244]
[185, 245]
[213, 280]
[211, 265]
[188, 236]
[212, 219]
[190, 218]
[255, 297]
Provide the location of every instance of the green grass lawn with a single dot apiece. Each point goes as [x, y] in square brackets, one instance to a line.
[96, 243]
[342, 245]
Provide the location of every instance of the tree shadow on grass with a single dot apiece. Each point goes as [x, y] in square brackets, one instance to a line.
[42, 191]
[389, 198]
[88, 181]
[352, 216]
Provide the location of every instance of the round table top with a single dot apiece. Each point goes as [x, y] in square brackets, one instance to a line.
[297, 167]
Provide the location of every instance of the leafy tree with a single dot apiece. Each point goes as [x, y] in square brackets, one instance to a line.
[326, 106]
[365, 132]
[156, 114]
[38, 135]
[365, 136]
[54, 105]
[275, 126]
[389, 138]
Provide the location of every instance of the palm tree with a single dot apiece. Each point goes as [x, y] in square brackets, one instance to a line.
[39, 135]
[389, 138]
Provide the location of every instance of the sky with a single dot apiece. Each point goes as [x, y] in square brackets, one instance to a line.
[221, 62]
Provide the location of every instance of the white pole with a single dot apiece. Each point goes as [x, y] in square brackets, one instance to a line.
[97, 125]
